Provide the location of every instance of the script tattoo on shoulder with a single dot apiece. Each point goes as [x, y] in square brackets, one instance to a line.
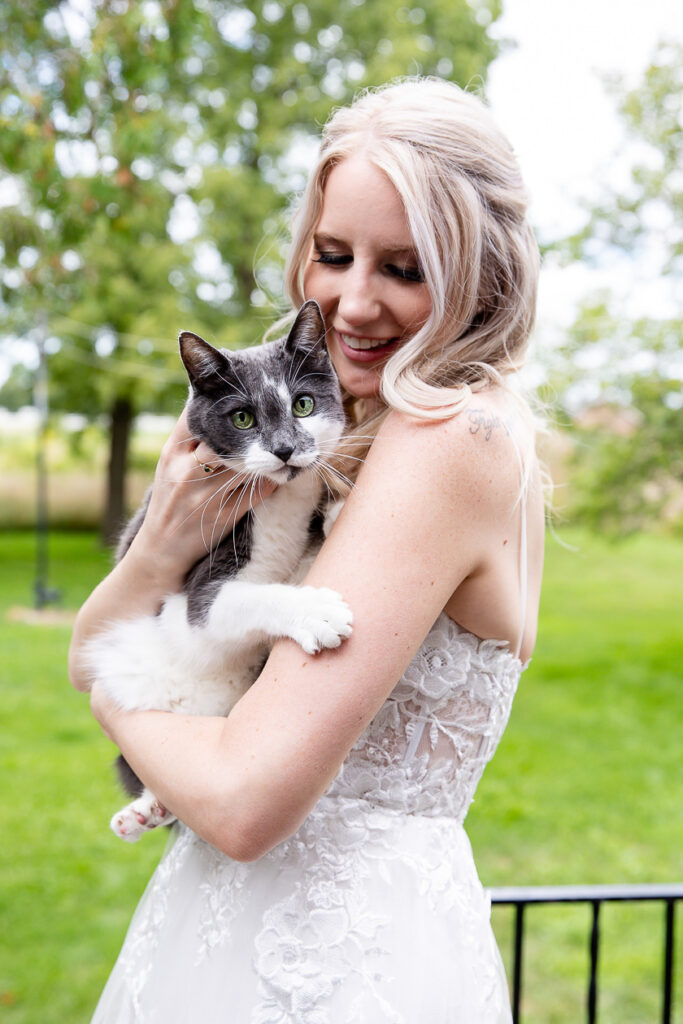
[481, 423]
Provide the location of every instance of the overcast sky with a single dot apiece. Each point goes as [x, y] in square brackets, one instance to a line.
[548, 95]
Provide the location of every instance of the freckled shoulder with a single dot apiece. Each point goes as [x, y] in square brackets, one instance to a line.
[471, 455]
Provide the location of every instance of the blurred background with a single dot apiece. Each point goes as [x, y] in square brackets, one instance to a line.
[149, 154]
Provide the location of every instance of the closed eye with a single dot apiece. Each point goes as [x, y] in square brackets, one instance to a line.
[332, 259]
[412, 274]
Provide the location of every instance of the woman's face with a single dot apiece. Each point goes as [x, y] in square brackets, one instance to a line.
[364, 272]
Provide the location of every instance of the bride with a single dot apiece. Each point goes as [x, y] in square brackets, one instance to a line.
[322, 874]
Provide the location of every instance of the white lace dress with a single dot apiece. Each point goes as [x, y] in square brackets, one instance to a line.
[372, 913]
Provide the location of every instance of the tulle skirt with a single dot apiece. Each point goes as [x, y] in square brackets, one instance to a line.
[365, 916]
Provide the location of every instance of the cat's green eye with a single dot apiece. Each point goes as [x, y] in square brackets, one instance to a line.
[243, 419]
[303, 405]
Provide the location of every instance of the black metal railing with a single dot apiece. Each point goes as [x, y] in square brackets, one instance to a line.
[595, 896]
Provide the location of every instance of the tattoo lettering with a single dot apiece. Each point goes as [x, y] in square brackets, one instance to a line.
[481, 422]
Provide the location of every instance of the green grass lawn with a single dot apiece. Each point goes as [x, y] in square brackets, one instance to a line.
[586, 787]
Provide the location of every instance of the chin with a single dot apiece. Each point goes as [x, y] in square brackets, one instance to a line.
[358, 382]
[364, 388]
[283, 475]
[358, 379]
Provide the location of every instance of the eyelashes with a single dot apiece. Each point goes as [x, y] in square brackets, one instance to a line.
[411, 274]
[332, 259]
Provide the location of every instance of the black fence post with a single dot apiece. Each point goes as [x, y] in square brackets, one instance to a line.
[522, 896]
[594, 948]
[668, 962]
[517, 976]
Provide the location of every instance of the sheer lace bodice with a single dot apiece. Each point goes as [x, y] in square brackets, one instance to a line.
[372, 912]
[426, 749]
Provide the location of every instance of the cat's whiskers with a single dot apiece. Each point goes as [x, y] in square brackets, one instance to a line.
[231, 384]
[190, 437]
[245, 390]
[257, 481]
[250, 477]
[226, 398]
[203, 506]
[321, 476]
[214, 545]
[294, 377]
[324, 471]
[296, 382]
[226, 490]
[335, 453]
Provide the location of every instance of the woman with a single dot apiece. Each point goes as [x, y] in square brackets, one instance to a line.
[323, 874]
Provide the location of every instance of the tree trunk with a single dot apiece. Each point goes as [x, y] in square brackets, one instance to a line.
[120, 422]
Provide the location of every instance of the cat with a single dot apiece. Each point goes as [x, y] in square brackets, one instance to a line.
[274, 411]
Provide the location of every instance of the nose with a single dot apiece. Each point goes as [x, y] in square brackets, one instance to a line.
[283, 453]
[359, 300]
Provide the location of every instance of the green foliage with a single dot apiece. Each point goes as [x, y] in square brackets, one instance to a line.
[629, 453]
[585, 787]
[119, 121]
[152, 145]
[626, 478]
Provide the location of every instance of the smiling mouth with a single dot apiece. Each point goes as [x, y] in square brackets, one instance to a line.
[364, 344]
[366, 350]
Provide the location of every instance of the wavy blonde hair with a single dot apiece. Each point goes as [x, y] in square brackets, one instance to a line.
[466, 207]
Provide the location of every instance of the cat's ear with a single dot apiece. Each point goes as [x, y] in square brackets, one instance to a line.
[206, 366]
[308, 331]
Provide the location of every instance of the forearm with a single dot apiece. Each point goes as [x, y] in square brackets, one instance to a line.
[181, 758]
[211, 773]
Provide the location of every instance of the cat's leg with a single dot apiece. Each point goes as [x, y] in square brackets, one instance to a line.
[140, 816]
[315, 617]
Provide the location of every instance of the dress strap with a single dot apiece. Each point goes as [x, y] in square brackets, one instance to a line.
[523, 544]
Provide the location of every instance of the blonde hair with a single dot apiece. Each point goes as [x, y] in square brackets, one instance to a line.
[466, 208]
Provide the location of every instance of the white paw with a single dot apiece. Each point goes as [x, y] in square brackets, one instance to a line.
[139, 817]
[323, 619]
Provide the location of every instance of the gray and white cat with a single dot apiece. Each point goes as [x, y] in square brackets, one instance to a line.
[273, 411]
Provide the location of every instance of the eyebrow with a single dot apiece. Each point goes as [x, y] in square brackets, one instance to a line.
[390, 247]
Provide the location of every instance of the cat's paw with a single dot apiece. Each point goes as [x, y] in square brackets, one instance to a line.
[324, 619]
[138, 817]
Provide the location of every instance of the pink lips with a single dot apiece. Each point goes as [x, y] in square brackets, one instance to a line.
[365, 355]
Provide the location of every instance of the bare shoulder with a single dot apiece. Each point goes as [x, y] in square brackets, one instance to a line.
[474, 456]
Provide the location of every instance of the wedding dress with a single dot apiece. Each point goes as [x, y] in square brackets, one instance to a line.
[372, 913]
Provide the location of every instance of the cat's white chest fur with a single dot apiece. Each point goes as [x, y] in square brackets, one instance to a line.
[280, 531]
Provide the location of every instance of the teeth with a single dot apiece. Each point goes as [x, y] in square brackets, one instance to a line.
[363, 343]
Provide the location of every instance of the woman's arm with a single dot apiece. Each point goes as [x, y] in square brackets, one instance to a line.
[418, 523]
[189, 509]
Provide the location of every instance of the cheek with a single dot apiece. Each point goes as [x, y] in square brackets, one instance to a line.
[317, 286]
[415, 309]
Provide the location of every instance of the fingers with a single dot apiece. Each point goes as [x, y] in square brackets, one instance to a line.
[197, 500]
[206, 458]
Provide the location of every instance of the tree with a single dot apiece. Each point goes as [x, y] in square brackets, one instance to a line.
[151, 146]
[629, 454]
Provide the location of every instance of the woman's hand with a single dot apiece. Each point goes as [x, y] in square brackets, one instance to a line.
[195, 502]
